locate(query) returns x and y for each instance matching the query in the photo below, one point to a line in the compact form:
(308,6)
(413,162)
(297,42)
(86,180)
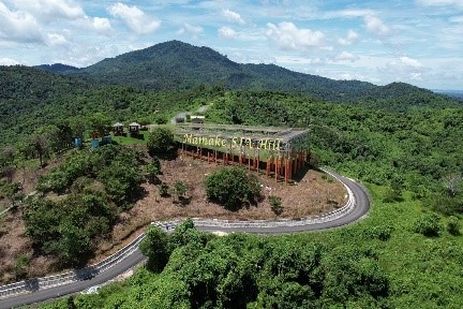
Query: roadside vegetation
(80,200)
(381,262)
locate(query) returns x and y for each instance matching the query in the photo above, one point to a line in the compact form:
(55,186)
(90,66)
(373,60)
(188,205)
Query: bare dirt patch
(312,195)
(14,244)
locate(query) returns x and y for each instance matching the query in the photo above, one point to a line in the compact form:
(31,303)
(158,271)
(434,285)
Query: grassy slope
(127,140)
(424,272)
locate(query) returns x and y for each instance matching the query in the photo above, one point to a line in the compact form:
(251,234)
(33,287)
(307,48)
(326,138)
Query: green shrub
(159,119)
(453,225)
(232,187)
(164,190)
(56,181)
(153,169)
(11,190)
(428,225)
(161,142)
(156,247)
(275,204)
(121,182)
(392,195)
(66,228)
(379,232)
(20,266)
(180,189)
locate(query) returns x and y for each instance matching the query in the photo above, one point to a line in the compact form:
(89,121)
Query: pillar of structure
(276,169)
(290,168)
(286,169)
(267,167)
(257,163)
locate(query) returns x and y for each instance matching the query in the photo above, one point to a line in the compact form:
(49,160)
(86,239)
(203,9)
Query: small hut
(197,119)
(179,119)
(118,128)
(134,129)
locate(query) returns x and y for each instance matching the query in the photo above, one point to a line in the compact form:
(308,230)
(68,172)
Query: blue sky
(417,41)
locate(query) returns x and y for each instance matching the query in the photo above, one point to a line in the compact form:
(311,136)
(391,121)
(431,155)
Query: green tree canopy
(232,187)
(161,142)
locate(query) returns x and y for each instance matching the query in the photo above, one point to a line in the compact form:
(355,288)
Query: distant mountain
(57,68)
(457,94)
(177,65)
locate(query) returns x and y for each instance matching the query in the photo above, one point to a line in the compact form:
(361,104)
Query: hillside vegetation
(378,263)
(93,187)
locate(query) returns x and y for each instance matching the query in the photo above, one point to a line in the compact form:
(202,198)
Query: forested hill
(31,84)
(57,68)
(177,65)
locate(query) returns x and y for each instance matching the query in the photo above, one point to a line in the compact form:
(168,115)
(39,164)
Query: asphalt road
(362,205)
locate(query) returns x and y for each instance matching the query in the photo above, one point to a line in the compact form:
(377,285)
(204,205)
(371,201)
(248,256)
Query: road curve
(360,207)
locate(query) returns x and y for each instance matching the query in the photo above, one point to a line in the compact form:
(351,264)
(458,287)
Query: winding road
(356,208)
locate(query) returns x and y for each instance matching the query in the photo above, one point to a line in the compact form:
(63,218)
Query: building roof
(134,124)
(118,124)
(289,137)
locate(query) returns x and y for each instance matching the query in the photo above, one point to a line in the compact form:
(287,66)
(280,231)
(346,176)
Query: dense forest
(404,143)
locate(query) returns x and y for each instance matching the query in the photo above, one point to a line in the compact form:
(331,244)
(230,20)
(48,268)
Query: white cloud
(190,29)
(19,26)
(233,16)
(8,61)
(375,25)
(345,57)
(370,19)
(134,18)
(353,13)
(288,36)
(97,25)
(403,68)
(55,39)
(410,62)
(291,60)
(101,25)
(350,38)
(458,3)
(227,33)
(50,10)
